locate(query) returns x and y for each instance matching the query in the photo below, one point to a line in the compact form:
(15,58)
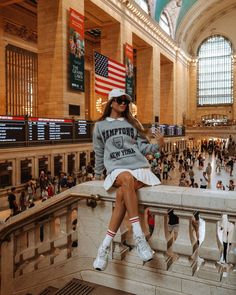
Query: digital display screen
(169,130)
(179,131)
(82,129)
(12,130)
(42,129)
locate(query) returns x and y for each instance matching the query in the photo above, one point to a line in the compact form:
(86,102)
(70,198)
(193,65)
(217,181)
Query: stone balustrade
(58,240)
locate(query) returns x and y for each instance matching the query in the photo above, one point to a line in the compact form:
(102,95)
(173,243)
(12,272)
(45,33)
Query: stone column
(110,42)
(76,161)
(2,70)
(52,161)
(210,251)
(185,246)
(49,159)
(35,171)
(144,88)
(192,114)
(18,171)
(13,172)
(65,163)
(54,94)
(160,241)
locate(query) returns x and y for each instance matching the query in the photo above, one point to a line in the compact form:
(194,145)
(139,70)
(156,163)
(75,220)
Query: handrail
(41,210)
(186,199)
(62,234)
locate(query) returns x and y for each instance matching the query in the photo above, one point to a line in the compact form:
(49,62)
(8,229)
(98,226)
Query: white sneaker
(143,249)
(100,263)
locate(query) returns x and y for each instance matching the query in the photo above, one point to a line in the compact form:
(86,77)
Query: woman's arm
(145,147)
(98,147)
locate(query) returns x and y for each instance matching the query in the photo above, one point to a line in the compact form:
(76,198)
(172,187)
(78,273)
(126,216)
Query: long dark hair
(129,117)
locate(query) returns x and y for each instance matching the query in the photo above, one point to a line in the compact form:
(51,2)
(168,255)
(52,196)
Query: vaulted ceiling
(197,19)
(206,18)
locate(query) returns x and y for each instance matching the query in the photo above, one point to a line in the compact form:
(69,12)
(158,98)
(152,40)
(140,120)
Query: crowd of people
(45,187)
(164,166)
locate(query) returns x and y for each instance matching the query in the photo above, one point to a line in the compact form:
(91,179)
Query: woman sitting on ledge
(120,145)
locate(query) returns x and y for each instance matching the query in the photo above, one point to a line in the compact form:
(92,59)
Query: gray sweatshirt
(117,145)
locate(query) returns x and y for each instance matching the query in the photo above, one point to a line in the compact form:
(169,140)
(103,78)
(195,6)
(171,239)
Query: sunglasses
(122,100)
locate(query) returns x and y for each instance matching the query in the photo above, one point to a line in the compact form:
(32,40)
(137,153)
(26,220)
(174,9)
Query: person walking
(204,180)
(120,145)
(208,172)
(227,236)
(12,202)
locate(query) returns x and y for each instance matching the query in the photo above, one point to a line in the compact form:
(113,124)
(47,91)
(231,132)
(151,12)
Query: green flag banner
(129,67)
(76,56)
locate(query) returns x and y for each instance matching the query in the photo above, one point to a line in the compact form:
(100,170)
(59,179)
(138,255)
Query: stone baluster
(185,245)
(160,241)
(60,243)
(29,255)
(43,243)
(210,251)
(20,243)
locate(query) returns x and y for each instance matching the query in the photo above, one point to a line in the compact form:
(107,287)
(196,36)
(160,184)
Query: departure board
(12,130)
(82,129)
(179,131)
(44,130)
(170,130)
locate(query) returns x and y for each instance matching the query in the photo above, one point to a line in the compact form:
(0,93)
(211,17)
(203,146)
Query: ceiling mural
(176,9)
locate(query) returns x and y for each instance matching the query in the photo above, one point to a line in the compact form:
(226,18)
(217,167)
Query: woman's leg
(128,185)
(126,194)
(119,211)
(126,182)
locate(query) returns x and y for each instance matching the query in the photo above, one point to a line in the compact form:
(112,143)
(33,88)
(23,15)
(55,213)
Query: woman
(120,145)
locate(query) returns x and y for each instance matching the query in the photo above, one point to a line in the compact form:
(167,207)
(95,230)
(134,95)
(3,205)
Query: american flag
(109,74)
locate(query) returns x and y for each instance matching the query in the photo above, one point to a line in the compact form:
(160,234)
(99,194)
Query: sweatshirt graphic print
(117,145)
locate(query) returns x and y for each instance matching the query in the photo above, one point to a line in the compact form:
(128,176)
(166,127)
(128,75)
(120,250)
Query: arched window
(164,23)
(214,72)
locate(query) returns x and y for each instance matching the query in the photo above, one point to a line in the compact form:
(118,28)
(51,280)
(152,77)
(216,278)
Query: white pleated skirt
(144,175)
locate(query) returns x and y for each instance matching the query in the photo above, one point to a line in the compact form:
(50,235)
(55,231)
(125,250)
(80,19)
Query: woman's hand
(159,137)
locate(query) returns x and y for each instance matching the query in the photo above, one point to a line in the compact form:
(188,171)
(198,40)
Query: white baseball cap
(118,92)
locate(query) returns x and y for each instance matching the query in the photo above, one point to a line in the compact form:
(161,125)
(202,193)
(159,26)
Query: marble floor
(224,175)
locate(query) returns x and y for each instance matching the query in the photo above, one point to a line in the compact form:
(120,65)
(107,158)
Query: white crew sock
(137,230)
(108,238)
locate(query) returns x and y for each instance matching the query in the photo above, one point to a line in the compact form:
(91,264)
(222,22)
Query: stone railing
(58,240)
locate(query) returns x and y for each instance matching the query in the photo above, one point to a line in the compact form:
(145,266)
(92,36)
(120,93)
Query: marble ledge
(222,201)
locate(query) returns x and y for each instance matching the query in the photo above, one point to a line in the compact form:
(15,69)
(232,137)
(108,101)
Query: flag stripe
(100,92)
(121,70)
(108,82)
(109,74)
(114,73)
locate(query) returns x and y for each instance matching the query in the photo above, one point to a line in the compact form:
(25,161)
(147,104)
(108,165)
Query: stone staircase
(79,287)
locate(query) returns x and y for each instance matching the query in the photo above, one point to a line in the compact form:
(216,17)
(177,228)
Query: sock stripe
(111,233)
(134,219)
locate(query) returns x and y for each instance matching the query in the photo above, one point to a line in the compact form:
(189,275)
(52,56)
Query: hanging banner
(129,66)
(76,44)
